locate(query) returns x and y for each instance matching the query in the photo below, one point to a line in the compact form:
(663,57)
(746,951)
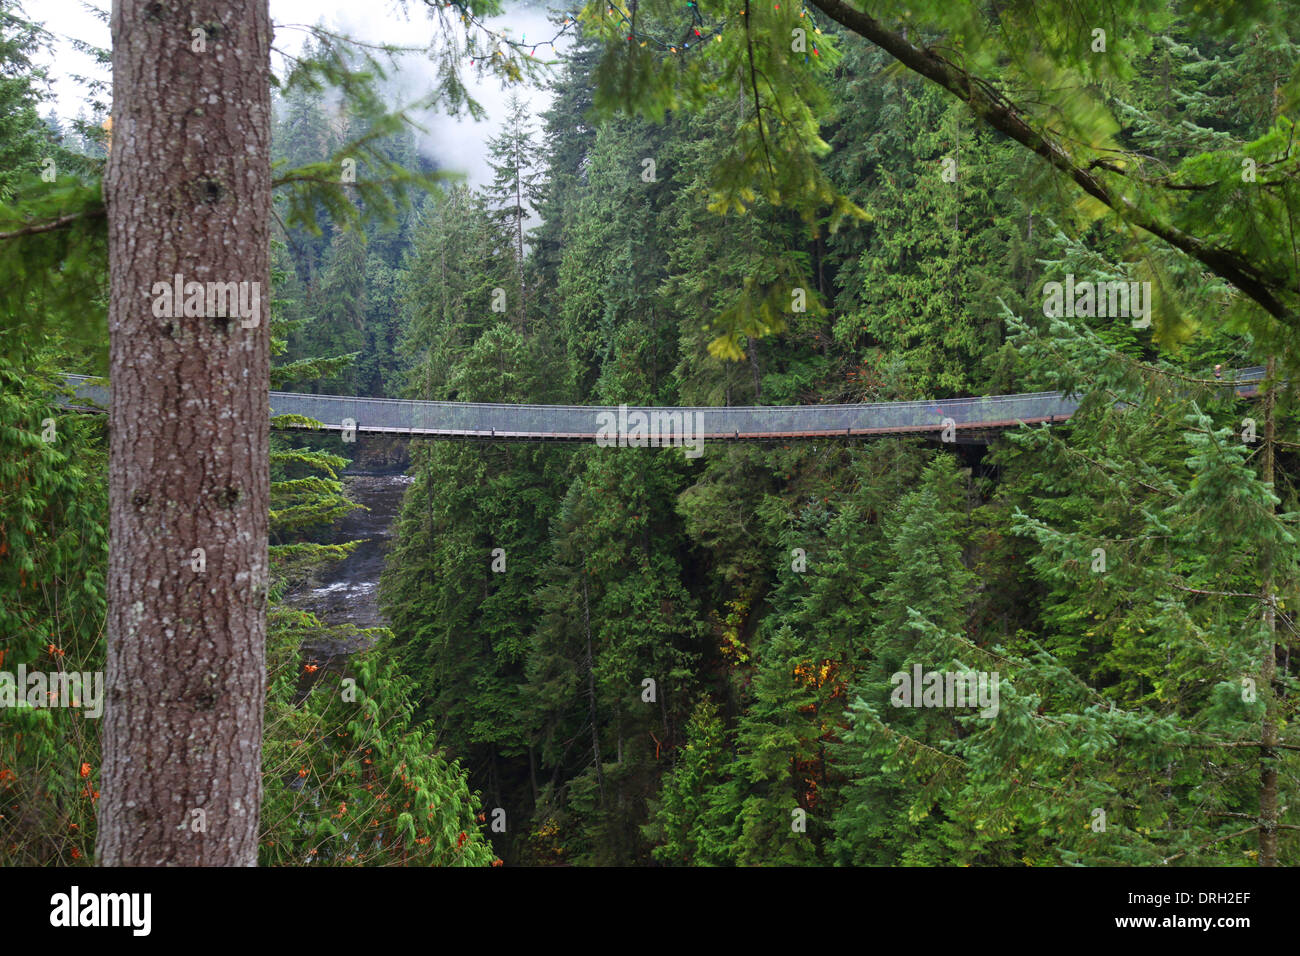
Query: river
(347,592)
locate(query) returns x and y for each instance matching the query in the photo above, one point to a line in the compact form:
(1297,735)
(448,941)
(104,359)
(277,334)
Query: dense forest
(620,656)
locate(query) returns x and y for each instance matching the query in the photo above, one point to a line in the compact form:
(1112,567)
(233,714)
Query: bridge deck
(971,418)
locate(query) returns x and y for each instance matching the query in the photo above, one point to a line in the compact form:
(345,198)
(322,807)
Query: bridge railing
(585,422)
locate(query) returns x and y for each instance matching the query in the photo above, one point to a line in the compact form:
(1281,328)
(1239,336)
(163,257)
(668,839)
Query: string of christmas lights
(500,39)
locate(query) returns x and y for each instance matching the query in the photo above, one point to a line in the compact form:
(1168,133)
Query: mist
(457,144)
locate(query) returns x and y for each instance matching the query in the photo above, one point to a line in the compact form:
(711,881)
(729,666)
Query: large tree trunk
(188,190)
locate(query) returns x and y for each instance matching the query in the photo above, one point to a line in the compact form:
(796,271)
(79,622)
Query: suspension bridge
(964,420)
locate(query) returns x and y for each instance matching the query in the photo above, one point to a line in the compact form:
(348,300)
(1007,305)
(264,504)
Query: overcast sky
(456,144)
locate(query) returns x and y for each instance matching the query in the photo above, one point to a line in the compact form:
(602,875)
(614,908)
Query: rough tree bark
(188,191)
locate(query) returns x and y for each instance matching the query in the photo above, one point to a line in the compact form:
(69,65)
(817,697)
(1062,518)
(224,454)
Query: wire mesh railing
(586,423)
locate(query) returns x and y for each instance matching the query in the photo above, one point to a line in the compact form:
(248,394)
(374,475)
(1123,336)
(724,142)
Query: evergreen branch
(297,177)
(1101,466)
(1206,846)
(904,740)
(1091,340)
(753,82)
(1165,182)
(1001,114)
(348,40)
(1170,373)
(468,18)
(1250,743)
(1254,597)
(1167,420)
(1250,816)
(50,225)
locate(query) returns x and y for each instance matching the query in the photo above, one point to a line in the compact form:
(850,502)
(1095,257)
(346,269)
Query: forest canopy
(1060,643)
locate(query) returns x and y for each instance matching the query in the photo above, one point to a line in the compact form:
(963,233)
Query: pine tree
(458,589)
(339,301)
(448,290)
(515,191)
(693,821)
(889,808)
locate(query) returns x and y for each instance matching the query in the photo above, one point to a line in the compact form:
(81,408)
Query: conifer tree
(515,191)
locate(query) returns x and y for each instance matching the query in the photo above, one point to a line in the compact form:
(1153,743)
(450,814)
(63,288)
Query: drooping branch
(998,112)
